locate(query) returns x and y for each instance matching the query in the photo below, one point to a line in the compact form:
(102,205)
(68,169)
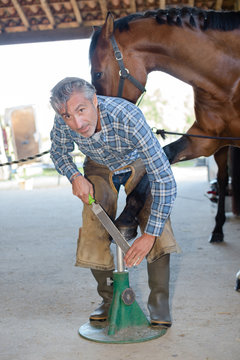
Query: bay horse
(201,48)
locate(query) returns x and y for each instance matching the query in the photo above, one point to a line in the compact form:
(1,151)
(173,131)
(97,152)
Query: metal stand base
(99,333)
(126,323)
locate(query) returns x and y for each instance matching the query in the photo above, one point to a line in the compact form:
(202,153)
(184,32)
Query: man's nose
(78,122)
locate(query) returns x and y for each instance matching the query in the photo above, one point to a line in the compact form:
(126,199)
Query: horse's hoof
(237,288)
(216,238)
(128,232)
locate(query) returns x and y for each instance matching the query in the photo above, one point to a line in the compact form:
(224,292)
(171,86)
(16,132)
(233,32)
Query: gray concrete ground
(45,298)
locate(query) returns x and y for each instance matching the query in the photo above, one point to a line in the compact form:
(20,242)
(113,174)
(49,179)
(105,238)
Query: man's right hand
(81,188)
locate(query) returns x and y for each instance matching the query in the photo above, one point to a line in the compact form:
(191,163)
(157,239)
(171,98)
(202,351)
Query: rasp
(109,225)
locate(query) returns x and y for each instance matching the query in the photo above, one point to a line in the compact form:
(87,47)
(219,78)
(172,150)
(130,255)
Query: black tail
(235,174)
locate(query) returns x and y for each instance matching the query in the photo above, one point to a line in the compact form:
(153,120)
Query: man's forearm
(64,165)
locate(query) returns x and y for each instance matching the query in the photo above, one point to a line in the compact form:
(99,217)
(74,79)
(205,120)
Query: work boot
(127,222)
(158,301)
(105,290)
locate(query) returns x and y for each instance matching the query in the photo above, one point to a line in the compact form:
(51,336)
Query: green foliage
(152,108)
(168,114)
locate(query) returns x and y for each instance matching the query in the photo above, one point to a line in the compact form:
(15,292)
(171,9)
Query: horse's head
(105,69)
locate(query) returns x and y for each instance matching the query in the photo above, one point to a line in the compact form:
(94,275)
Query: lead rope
(25,159)
(141,98)
(163,133)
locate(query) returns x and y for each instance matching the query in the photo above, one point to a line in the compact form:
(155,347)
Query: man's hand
(139,249)
(81,188)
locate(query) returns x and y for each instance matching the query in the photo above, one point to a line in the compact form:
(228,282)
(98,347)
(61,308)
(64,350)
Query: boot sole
(164,324)
(98,318)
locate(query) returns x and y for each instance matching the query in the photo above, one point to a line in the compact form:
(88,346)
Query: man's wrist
(150,236)
(75,176)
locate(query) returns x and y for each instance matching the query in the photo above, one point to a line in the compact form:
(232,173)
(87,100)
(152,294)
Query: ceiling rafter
(218,5)
(76,11)
(48,12)
(191,3)
(237,5)
(133,7)
(47,20)
(162,4)
(103,6)
(21,13)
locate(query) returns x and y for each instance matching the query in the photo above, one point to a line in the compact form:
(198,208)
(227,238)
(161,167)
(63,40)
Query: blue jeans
(120,179)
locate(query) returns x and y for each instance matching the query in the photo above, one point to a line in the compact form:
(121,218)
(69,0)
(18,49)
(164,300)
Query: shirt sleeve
(161,178)
(61,147)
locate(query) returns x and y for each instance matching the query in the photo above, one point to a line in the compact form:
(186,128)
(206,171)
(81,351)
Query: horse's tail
(235,174)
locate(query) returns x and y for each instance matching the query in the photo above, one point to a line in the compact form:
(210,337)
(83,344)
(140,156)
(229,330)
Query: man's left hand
(139,249)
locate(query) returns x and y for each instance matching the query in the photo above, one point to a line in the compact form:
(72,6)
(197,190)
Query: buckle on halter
(118,55)
(123,73)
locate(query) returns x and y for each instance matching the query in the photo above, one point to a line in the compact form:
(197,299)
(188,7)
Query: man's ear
(95,101)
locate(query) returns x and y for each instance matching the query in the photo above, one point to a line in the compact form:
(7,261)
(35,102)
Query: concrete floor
(45,298)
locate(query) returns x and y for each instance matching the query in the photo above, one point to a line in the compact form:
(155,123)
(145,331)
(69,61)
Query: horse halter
(123,72)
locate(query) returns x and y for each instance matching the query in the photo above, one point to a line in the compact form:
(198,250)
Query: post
(120,262)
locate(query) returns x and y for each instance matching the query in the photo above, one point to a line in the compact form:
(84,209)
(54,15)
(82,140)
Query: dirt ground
(45,298)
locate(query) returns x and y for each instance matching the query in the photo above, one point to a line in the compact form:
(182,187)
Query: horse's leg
(237,288)
(221,158)
(127,221)
(235,173)
(175,148)
(187,147)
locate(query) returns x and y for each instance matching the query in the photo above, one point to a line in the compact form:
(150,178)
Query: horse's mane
(208,19)
(204,19)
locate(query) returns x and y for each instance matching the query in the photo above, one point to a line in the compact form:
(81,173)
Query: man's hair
(61,92)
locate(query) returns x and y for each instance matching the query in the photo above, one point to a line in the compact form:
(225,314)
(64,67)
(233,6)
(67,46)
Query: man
(120,150)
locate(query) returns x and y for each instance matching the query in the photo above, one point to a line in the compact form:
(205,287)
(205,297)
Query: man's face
(80,114)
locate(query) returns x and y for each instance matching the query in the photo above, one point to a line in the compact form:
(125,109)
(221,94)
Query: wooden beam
(92,23)
(103,6)
(21,14)
(23,37)
(219,5)
(76,11)
(191,3)
(48,12)
(133,8)
(162,4)
(237,5)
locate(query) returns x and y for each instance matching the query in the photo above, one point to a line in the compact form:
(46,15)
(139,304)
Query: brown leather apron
(93,248)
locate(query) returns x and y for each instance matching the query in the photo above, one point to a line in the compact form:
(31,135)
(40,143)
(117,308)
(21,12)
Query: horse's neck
(172,54)
(189,55)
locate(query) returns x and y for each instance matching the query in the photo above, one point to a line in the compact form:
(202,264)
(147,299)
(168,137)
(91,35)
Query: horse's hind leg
(235,174)
(237,288)
(221,158)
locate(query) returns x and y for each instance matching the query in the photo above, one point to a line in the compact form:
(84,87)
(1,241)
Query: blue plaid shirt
(124,137)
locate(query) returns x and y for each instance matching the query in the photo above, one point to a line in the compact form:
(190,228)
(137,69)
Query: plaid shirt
(124,137)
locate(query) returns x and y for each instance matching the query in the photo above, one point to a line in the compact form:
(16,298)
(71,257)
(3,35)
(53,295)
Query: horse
(199,47)
(227,159)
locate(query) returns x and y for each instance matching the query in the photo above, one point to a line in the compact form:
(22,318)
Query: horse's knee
(174,150)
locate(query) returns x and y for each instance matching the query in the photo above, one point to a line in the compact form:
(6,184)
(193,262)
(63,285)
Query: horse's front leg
(187,148)
(221,158)
(127,221)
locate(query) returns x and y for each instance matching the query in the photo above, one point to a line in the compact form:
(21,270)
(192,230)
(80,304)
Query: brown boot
(105,290)
(158,301)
